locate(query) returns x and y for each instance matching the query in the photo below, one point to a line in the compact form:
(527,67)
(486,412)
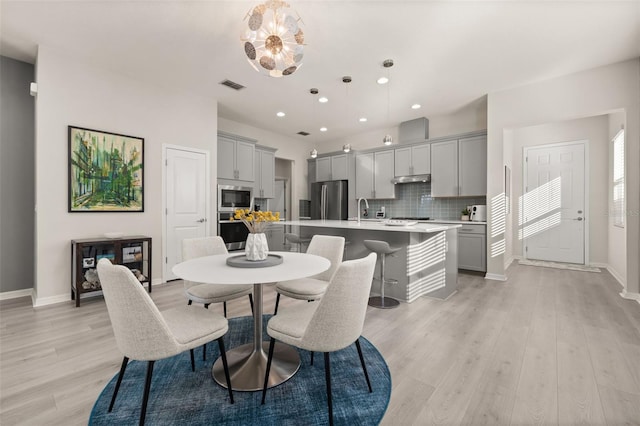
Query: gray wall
(17,171)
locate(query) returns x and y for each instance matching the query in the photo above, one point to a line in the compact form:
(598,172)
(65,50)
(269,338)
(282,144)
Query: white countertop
(462,222)
(372,225)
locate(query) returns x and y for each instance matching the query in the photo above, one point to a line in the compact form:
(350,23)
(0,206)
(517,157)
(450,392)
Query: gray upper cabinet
(323,169)
(374,172)
(444,169)
(459,167)
(339,167)
(334,167)
(413,160)
(472,166)
(265,172)
(235,158)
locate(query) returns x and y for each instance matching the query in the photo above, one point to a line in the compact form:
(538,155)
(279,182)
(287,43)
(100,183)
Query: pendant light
(388,63)
(346,80)
(314,91)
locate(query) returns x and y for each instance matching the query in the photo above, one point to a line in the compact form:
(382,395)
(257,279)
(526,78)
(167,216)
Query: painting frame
(105,172)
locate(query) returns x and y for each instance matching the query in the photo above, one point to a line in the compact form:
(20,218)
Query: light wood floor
(548,346)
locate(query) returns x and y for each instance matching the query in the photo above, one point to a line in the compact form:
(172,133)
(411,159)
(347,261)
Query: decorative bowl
(113,234)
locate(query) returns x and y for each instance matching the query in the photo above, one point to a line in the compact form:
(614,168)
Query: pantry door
(186,198)
(553,212)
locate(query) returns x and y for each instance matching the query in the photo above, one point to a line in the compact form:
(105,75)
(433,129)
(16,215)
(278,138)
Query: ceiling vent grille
(303,133)
(232,85)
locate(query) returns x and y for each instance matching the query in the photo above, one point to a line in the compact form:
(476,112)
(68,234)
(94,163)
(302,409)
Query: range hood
(413,131)
(411,179)
(416,130)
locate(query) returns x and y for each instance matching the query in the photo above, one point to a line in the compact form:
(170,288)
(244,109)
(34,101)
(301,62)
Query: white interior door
(552,221)
(187,201)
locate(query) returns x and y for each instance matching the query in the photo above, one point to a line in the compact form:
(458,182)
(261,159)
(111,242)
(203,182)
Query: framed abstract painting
(106,171)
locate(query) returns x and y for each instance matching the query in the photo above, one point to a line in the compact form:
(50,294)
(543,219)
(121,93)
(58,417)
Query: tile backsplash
(414,200)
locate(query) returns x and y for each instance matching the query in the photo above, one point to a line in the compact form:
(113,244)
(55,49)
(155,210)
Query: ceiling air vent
(303,133)
(232,84)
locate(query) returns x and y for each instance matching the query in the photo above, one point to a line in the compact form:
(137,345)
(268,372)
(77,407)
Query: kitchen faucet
(366,203)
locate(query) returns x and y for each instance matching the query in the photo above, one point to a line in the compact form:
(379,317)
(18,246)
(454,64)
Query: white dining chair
(144,333)
(211,293)
(312,288)
(330,324)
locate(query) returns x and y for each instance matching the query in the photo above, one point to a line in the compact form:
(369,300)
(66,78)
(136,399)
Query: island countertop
(426,262)
(419,227)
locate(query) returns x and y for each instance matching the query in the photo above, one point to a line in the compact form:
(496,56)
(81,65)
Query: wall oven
(230,198)
(234,233)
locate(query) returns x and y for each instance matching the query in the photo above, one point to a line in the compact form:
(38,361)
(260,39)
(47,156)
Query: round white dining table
(247,363)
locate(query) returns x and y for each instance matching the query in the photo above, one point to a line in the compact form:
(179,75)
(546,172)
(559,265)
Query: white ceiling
(447,54)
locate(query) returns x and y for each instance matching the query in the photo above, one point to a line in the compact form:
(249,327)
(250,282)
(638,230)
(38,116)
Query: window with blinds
(618,180)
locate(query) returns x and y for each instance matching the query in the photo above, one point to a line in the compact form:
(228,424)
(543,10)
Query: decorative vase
(256,247)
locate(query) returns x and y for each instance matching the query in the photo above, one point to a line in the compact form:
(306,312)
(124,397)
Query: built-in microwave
(231,198)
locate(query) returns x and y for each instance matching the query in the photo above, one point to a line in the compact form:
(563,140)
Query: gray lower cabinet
(275,237)
(472,248)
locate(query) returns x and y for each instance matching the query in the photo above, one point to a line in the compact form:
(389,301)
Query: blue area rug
(180,396)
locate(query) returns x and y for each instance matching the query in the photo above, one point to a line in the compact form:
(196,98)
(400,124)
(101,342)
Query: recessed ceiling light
(416,106)
(363,119)
(323,100)
(280,114)
(383,80)
(323,129)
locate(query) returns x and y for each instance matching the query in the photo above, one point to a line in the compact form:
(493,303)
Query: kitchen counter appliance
(231,198)
(478,213)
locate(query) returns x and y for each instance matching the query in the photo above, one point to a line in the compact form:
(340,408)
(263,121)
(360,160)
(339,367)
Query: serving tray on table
(241,261)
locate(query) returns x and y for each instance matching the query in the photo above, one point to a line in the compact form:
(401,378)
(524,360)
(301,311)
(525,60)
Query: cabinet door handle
(201,220)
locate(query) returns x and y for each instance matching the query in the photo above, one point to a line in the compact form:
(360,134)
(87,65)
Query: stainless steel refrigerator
(329,200)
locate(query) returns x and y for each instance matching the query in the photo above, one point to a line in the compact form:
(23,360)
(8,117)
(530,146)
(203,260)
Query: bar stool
(296,239)
(383,249)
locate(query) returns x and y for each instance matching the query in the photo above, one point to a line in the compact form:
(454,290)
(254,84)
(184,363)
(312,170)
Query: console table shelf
(134,252)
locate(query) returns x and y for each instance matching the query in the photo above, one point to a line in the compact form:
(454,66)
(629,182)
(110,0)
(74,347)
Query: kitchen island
(427,263)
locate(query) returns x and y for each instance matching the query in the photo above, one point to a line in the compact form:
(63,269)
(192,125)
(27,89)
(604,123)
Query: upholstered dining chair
(211,293)
(296,239)
(330,324)
(143,333)
(312,288)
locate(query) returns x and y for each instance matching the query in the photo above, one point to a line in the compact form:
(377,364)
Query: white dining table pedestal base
(248,363)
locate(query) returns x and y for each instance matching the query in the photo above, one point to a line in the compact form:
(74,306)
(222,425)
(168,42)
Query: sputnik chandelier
(274,41)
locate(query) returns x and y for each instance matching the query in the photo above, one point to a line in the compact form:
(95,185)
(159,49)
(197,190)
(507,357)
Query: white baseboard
(43,301)
(508,262)
(495,277)
(16,293)
(616,275)
(631,296)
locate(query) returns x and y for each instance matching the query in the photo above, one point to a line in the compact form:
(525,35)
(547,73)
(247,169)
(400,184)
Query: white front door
(187,201)
(552,209)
